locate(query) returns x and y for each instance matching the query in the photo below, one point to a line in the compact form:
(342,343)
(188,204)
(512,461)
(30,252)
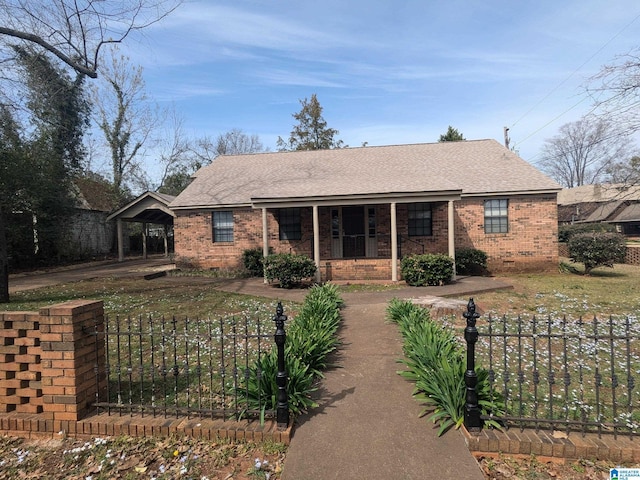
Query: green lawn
(180,296)
(605,292)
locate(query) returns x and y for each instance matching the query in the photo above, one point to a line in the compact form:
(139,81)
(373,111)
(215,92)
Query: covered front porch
(361,238)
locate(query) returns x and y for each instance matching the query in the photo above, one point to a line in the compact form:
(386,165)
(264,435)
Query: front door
(353,232)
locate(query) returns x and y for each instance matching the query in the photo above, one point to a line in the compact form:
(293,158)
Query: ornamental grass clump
(311,337)
(436,362)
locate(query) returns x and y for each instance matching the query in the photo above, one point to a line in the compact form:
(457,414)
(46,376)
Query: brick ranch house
(357,211)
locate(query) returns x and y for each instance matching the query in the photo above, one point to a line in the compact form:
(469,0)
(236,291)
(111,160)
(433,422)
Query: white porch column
(120,240)
(144,241)
(166,240)
(265,237)
(452,235)
(316,242)
(394,244)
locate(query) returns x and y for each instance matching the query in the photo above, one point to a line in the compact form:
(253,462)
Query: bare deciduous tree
(236,142)
(75,31)
(125,116)
(616,91)
(174,149)
(583,152)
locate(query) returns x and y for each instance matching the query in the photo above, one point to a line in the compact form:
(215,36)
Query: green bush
(427,269)
(311,337)
(470,261)
(252,259)
(436,362)
(288,269)
(597,249)
(565,232)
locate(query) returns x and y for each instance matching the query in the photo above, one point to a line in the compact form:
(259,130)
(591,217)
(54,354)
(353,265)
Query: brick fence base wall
(547,444)
(52,365)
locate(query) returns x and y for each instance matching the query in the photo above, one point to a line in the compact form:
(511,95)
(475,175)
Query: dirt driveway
(128,268)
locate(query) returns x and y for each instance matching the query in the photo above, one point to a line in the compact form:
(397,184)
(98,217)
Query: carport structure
(148,208)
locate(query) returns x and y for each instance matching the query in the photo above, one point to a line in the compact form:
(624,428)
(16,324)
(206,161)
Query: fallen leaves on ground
(501,467)
(139,458)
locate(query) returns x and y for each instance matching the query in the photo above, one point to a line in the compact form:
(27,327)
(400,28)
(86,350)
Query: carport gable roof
(150,207)
(445,170)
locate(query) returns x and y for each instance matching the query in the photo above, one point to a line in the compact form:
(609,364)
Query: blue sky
(386,72)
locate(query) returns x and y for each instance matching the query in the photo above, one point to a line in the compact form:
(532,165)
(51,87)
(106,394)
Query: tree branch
(50,48)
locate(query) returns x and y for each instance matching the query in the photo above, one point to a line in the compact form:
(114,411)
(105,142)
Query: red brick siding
(194,246)
(530,244)
(358,268)
(437,242)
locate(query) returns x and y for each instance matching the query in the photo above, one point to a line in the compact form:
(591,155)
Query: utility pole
(507,140)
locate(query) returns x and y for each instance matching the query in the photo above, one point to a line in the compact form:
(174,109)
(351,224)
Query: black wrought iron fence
(558,373)
(182,366)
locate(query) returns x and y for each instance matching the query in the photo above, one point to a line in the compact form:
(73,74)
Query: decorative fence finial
(472,420)
(282,411)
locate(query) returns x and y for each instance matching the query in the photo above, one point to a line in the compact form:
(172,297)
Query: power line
(565,80)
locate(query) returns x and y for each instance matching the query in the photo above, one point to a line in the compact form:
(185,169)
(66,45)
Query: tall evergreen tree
(311,132)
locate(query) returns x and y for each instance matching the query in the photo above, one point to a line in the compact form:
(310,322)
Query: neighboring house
(616,204)
(90,232)
(357,211)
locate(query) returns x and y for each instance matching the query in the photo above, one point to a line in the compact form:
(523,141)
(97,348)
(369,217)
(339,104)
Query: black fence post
(282,412)
(472,420)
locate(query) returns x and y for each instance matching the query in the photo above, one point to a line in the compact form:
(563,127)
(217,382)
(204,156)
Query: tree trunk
(4,262)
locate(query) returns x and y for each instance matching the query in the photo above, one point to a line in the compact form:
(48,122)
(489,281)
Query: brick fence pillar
(20,387)
(73,358)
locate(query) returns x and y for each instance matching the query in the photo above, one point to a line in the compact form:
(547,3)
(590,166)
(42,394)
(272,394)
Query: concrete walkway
(367,425)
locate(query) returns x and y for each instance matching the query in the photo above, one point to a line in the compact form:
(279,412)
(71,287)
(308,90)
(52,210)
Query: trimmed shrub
(436,362)
(288,269)
(427,269)
(470,261)
(565,232)
(311,337)
(252,259)
(597,249)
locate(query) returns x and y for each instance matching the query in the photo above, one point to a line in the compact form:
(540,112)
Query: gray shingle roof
(472,167)
(598,193)
(629,214)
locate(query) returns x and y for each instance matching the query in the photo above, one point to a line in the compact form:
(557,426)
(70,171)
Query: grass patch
(557,370)
(181,296)
(605,292)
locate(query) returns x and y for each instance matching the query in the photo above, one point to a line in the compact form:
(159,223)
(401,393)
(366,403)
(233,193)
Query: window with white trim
(496,218)
(222,223)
